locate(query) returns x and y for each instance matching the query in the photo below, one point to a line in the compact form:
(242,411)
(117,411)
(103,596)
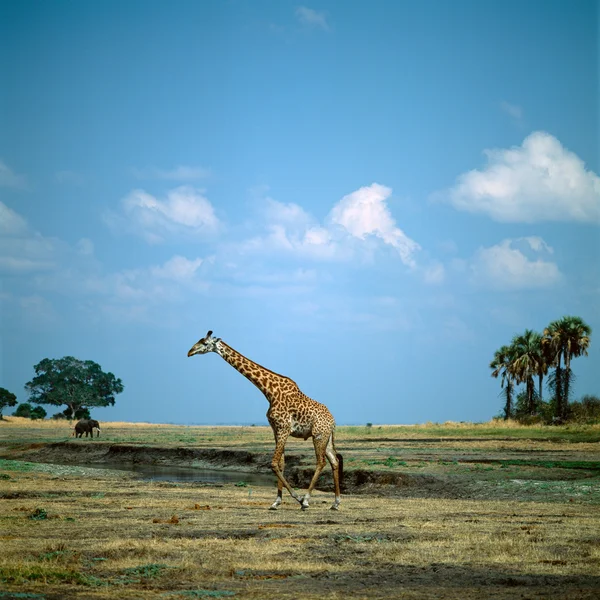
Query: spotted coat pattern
(291,413)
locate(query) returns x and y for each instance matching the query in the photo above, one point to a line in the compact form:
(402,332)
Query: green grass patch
(43,573)
(57,556)
(141,573)
(21,595)
(588,465)
(39,514)
(566,433)
(357,539)
(147,571)
(390,461)
(201,593)
(16,465)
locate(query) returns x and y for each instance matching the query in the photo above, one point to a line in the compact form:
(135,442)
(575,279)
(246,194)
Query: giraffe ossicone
(291,413)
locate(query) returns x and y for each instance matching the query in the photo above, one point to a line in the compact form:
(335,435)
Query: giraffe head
(206,344)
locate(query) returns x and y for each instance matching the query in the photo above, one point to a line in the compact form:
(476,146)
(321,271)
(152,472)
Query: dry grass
(104,536)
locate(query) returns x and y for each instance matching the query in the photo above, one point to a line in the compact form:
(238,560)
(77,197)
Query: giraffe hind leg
(320,452)
(336,461)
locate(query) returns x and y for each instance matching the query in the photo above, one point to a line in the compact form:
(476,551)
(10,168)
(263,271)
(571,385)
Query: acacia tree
(6,399)
(76,383)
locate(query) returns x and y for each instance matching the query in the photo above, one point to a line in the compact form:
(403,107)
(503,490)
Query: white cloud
(351,229)
(185,211)
(434,274)
(374,313)
(8,178)
(515,264)
(152,294)
(448,246)
(179,173)
(290,215)
(38,309)
(537,181)
(22,250)
(312,18)
(317,236)
(457,330)
(516,112)
(31,264)
(177,268)
(85,246)
(15,265)
(314,242)
(274,277)
(537,244)
(152,286)
(365,212)
(11,223)
(39,265)
(291,230)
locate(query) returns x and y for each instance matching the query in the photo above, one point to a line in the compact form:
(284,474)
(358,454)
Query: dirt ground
(420,518)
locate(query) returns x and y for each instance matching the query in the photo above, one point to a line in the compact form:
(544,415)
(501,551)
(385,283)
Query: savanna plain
(451,510)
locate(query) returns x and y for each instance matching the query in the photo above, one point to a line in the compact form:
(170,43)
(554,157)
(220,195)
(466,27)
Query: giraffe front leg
(279,498)
(279,449)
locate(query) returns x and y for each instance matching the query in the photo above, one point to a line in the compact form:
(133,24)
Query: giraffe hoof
(304,507)
(335,507)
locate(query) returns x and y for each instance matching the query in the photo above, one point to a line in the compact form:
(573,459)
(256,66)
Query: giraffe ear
(208,335)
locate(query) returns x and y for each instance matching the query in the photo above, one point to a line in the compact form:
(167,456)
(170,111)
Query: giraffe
(291,413)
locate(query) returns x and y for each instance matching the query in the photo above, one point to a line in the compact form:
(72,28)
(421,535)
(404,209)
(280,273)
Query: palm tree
(501,366)
(565,339)
(543,362)
(527,363)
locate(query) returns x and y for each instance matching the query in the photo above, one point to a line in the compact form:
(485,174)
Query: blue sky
(370,198)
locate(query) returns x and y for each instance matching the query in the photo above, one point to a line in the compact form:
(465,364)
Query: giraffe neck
(262,378)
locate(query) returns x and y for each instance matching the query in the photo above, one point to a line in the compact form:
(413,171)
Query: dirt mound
(361,481)
(355,481)
(104,453)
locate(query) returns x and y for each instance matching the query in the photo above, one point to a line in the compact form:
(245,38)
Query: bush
(23,410)
(29,412)
(543,410)
(586,410)
(38,413)
(80,413)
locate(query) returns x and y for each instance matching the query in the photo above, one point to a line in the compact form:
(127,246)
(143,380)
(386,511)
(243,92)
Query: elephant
(86,426)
